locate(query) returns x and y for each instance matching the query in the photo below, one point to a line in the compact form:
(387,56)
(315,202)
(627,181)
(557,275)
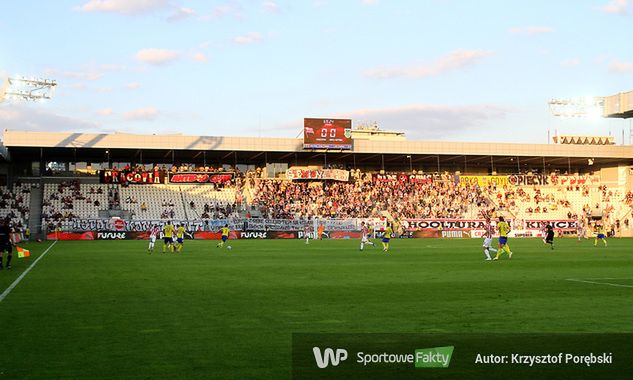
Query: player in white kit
(580,230)
(307,230)
(153,234)
(364,236)
(489,231)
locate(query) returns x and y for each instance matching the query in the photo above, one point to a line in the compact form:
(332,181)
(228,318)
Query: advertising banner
(201,177)
(483,180)
(87,235)
(333,235)
(442,224)
(552,180)
(426,234)
(557,224)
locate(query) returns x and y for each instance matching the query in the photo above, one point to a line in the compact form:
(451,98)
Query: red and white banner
(200,177)
(320,174)
(131,177)
(403,177)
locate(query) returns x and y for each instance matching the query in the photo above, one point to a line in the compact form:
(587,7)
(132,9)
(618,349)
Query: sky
(453,70)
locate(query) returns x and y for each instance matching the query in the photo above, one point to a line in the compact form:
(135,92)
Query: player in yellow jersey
(168,237)
(600,235)
(225,235)
(386,238)
(504,230)
(180,237)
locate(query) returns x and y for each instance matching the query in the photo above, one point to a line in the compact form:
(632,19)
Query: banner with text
(131,177)
(319,174)
(483,180)
(552,180)
(403,177)
(200,177)
(245,224)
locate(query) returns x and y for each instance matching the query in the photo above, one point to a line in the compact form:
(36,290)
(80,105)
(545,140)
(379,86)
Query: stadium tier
(267,181)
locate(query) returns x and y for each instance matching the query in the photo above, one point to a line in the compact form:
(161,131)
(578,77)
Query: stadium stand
(364,198)
(208,202)
(71,186)
(15,203)
(152,202)
(70,199)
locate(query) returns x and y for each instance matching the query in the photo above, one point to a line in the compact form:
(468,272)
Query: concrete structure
(27,147)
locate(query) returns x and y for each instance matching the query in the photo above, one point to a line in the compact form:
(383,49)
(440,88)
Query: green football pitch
(110,310)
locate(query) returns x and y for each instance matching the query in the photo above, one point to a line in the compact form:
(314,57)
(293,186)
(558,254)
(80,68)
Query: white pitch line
(599,283)
(17,280)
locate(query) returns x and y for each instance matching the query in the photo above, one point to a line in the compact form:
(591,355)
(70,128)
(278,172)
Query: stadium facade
(45,162)
(35,149)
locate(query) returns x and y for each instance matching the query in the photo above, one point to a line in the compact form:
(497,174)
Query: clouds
(162,57)
(126,7)
(200,57)
(104,111)
(571,62)
(180,14)
(141,114)
(229,8)
(270,6)
(248,38)
(429,120)
(531,30)
(133,85)
(455,60)
(620,67)
(157,57)
(85,73)
(618,7)
(36,118)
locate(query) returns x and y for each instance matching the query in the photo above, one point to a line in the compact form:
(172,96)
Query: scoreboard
(327,133)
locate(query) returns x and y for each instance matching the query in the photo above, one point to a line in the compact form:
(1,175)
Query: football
(229,247)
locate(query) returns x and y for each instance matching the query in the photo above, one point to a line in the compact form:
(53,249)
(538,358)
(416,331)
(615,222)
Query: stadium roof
(92,147)
(262,144)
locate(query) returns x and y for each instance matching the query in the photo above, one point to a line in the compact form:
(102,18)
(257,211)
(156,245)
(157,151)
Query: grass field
(109,310)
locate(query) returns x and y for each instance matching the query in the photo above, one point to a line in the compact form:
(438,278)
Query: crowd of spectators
(216,210)
(14,204)
(176,168)
(368,196)
(363,196)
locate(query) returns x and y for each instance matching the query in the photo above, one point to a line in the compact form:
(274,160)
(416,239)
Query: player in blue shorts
(386,238)
(168,237)
(600,235)
(225,235)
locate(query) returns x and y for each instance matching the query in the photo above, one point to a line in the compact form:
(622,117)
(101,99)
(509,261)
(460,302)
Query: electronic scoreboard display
(327,133)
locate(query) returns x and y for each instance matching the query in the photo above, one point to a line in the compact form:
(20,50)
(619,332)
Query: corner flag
(22,253)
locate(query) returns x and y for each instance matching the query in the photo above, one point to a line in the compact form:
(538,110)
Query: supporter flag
(22,253)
